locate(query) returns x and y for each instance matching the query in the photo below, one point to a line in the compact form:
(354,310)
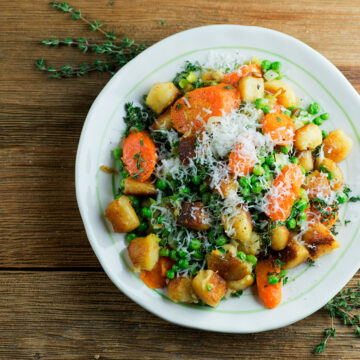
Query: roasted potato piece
(209,287)
(251,88)
(253,246)
(308,137)
(337,145)
(162,95)
(135,187)
(122,215)
(287,96)
(163,122)
(319,241)
(186,148)
(293,254)
(144,252)
(279,238)
(306,160)
(336,176)
(194,216)
(238,225)
(317,185)
(230,248)
(180,290)
(227,187)
(242,284)
(227,266)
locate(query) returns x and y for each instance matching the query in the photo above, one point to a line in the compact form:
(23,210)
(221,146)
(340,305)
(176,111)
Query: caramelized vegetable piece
(180,290)
(209,287)
(317,185)
(335,176)
(139,155)
(135,187)
(279,238)
(268,293)
(187,148)
(162,95)
(337,145)
(156,278)
(251,88)
(241,284)
(122,215)
(308,137)
(319,241)
(194,216)
(283,193)
(234,77)
(144,252)
(280,127)
(285,94)
(191,112)
(163,122)
(227,266)
(238,225)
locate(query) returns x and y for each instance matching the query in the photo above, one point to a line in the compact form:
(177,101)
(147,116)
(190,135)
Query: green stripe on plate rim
(124,98)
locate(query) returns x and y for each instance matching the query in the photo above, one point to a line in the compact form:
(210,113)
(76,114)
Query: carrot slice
(139,155)
(283,193)
(156,278)
(233,77)
(269,294)
(276,107)
(191,112)
(280,127)
(241,159)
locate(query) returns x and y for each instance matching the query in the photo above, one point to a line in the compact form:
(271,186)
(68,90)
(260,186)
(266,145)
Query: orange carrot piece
(269,294)
(156,278)
(233,77)
(276,106)
(241,159)
(314,215)
(191,112)
(283,193)
(139,155)
(280,127)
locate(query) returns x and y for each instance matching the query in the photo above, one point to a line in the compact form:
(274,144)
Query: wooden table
(55,300)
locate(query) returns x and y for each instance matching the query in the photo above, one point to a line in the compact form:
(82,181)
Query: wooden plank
(77,315)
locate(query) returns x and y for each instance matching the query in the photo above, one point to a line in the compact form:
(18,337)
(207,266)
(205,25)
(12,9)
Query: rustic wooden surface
(55,301)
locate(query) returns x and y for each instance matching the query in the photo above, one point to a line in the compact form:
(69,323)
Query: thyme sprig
(117,53)
(343,306)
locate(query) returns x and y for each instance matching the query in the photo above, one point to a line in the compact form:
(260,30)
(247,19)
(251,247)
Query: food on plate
(224,178)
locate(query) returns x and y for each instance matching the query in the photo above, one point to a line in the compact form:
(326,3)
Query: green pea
(203,187)
(117,153)
(254,180)
(170,274)
(301,205)
(221,240)
(183,264)
(266,65)
(244,181)
(284,149)
(291,224)
(164,252)
(317,121)
(174,255)
(184,190)
(196,179)
(294,160)
(245,191)
(324,134)
(161,184)
(135,202)
(195,244)
(175,268)
(314,108)
(146,212)
(273,279)
(258,170)
(302,216)
(211,234)
(182,253)
(241,255)
(342,198)
(270,160)
(282,273)
(266,109)
(259,103)
(325,116)
(130,237)
(276,66)
(162,242)
(251,259)
(142,227)
(257,188)
(197,255)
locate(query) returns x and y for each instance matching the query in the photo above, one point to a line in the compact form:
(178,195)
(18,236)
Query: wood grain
(55,301)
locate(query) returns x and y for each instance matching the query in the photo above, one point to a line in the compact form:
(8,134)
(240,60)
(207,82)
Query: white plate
(313,77)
